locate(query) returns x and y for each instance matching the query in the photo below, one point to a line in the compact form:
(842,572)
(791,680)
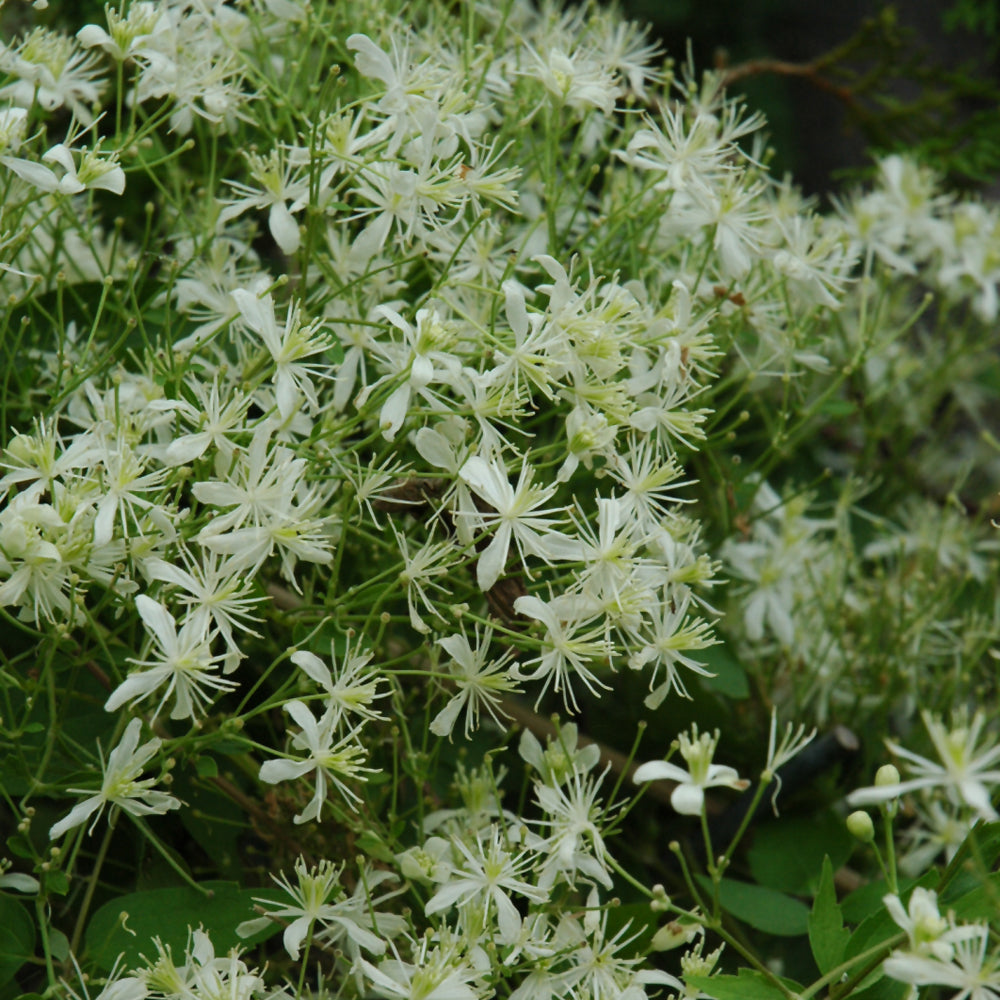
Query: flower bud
(886,775)
(860,825)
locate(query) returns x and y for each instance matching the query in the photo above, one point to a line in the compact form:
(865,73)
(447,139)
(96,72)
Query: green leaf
(127,925)
(374,846)
(217,823)
(17,937)
(788,856)
(730,678)
(206,766)
(884,989)
(760,907)
(981,846)
(827,935)
(748,985)
(58,944)
(56,881)
(19,846)
(981,901)
(838,408)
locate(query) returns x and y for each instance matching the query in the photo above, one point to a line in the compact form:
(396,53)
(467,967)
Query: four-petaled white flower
(488,874)
(334,760)
(966,772)
(316,896)
(688,798)
(184,661)
(121,785)
(518,513)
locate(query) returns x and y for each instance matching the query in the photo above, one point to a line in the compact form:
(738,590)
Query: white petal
(273,771)
(688,800)
(433,447)
(284,228)
(508,919)
(136,685)
(314,667)
(659,770)
(77,815)
(492,561)
(444,721)
(157,620)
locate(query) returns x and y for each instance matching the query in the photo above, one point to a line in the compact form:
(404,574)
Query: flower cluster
(377,377)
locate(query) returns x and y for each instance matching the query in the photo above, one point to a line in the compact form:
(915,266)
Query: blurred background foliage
(840,81)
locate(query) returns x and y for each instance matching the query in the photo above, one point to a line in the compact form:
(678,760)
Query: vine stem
(93,879)
(779,67)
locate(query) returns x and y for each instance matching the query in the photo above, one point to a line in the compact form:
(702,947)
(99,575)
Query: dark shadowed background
(815,135)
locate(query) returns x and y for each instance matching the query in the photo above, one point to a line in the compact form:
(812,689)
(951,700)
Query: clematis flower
(688,798)
(121,785)
(334,760)
(518,514)
(966,771)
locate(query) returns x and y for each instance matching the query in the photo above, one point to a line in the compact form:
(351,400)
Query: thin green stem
(92,881)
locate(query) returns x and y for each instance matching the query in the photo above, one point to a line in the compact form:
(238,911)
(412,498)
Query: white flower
(568,648)
(577,80)
(518,513)
(688,798)
(51,70)
(438,973)
(349,689)
(121,785)
(123,481)
(282,189)
(965,773)
(481,683)
(316,898)
(94,171)
(183,661)
(672,633)
(969,970)
(334,760)
(289,344)
(562,756)
(202,975)
(792,743)
(125,33)
(575,842)
(217,593)
(930,935)
(487,876)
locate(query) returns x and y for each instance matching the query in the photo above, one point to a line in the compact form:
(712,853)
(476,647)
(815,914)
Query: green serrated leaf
(760,907)
(827,935)
(17,937)
(748,985)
